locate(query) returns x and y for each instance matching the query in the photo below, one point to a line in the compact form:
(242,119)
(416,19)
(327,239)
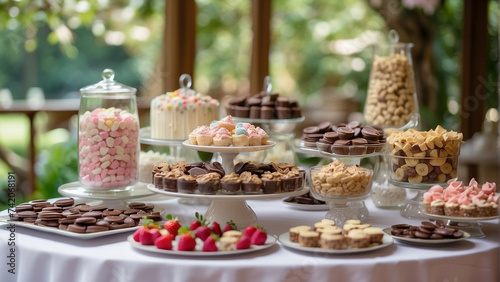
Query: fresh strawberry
(198,222)
(216,228)
(186,242)
(244,243)
(209,244)
(164,242)
(202,232)
(138,234)
(259,237)
(149,236)
(229,226)
(172,225)
(194,225)
(249,230)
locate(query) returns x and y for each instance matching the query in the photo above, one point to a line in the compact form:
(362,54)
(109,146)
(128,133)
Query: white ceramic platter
(425,242)
(271,240)
(228,149)
(285,240)
(306,207)
(459,218)
(55,230)
(239,196)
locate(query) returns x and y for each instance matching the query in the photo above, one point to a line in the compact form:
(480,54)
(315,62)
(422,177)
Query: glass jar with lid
(108,135)
(391,100)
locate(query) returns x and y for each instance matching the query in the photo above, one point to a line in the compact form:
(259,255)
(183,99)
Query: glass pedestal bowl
(343,191)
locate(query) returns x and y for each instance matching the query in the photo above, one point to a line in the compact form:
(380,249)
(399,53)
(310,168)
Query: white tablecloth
(49,257)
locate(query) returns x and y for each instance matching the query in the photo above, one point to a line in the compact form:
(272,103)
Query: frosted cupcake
(255,139)
(204,136)
(271,182)
(192,136)
(467,208)
(451,207)
(230,183)
(228,123)
(214,126)
(357,239)
(222,137)
(187,184)
(209,183)
(240,137)
(331,241)
(263,135)
(250,183)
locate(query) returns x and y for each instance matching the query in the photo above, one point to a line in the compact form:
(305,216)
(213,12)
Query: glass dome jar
(391,100)
(108,136)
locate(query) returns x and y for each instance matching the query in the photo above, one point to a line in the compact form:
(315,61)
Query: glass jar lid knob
(185,81)
(268,86)
(393,36)
(108,74)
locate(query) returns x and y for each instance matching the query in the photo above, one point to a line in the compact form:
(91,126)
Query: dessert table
(44,256)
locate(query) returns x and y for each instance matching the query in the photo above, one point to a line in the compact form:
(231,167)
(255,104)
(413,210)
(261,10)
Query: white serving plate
(285,240)
(55,230)
(306,207)
(229,149)
(425,242)
(271,240)
(459,218)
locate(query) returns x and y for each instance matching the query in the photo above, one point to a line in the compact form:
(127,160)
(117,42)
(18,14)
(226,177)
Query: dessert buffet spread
(226,132)
(210,178)
(175,114)
(200,236)
(83,218)
(264,106)
(424,156)
(459,200)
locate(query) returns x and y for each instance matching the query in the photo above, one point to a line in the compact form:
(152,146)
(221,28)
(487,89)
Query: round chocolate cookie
(64,202)
(311,130)
(77,228)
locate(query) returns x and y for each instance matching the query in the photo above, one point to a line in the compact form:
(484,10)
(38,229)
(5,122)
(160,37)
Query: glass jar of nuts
(391,98)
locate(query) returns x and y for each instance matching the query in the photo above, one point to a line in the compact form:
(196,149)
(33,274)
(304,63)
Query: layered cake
(175,114)
(459,200)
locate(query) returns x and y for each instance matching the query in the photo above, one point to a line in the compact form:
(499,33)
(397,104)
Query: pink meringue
(489,188)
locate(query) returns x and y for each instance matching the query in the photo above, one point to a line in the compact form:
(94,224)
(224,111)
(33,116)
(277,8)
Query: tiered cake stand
(224,208)
(470,225)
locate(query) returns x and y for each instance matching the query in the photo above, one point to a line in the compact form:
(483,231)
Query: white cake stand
(228,153)
(224,208)
(115,199)
(177,151)
(469,224)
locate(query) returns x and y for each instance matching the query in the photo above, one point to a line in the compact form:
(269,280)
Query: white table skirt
(49,257)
